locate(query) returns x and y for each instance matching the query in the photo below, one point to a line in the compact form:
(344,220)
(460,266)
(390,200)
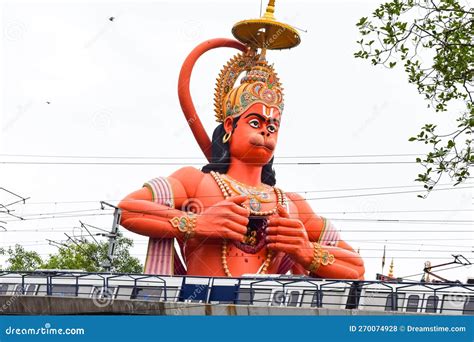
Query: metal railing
(287,291)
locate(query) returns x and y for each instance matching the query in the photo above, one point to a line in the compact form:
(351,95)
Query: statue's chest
(262,200)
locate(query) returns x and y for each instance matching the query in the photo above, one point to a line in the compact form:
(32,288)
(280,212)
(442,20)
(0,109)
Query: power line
(410,231)
(363,241)
(443,269)
(400,220)
(63,212)
(372,188)
(395,211)
(390,242)
(454,250)
(319,212)
(42,243)
(304,199)
(201,158)
(197,164)
(390,221)
(5,207)
(384,193)
(60,217)
(59,214)
(415,256)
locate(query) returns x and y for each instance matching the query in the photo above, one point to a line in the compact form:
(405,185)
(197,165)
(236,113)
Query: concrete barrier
(50,305)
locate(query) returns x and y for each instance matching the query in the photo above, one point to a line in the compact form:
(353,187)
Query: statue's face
(255,137)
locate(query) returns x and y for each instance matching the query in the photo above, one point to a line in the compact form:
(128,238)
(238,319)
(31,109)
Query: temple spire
(390,270)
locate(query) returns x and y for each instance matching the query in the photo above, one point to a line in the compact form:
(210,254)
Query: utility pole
(459,259)
(4,208)
(112,235)
(426,274)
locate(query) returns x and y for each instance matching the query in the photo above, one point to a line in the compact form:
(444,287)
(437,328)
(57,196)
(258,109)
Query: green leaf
(362,21)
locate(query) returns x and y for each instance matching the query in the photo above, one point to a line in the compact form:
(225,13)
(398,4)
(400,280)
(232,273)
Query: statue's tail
(184,93)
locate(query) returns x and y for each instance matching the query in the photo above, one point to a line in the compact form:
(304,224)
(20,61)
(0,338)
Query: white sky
(112,92)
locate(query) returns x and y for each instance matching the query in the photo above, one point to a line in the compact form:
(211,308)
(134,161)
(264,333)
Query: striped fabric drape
(329,235)
(162,257)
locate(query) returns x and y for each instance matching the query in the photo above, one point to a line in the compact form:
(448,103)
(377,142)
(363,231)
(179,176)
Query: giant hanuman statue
(229,218)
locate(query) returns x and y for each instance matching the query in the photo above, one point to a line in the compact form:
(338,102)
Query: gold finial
(266,32)
(269,13)
(390,270)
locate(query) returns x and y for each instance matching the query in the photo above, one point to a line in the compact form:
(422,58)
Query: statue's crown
(260,84)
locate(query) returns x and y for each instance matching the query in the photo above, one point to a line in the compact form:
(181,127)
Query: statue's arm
(308,228)
(142,215)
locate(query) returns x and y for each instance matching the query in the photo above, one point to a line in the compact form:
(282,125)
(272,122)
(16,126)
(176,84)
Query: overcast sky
(75,83)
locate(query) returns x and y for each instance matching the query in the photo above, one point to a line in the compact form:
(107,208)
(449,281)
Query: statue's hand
(225,219)
(289,236)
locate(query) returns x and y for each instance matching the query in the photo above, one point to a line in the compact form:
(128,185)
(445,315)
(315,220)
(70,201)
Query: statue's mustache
(259,140)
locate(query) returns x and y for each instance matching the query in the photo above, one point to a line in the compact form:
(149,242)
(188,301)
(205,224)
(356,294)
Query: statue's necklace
(255,195)
(226,191)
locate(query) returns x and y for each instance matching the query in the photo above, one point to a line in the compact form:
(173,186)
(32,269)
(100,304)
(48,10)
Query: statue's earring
(226,137)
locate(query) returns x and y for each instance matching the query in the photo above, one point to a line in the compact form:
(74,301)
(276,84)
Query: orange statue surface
(230,218)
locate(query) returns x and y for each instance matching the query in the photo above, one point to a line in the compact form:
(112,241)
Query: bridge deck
(50,305)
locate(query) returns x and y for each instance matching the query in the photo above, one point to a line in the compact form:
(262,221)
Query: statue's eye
(254,123)
(272,128)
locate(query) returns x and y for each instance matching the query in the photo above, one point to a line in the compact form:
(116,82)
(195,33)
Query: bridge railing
(288,291)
